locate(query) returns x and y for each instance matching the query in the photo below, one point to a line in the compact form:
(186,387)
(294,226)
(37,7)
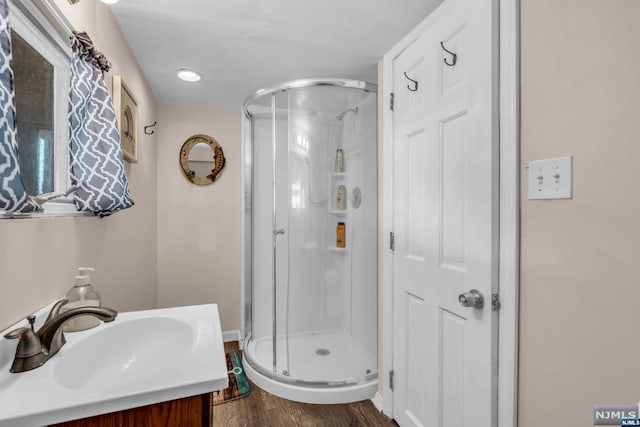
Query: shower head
(340,116)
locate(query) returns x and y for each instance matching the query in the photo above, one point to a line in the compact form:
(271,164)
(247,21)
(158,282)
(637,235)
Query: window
(33,80)
(41,68)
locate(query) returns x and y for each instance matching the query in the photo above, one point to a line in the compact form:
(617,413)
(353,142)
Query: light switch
(551,179)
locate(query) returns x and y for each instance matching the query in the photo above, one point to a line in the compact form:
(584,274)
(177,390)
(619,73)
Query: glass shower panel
(262,315)
(357,128)
(281,230)
(309,199)
(310,196)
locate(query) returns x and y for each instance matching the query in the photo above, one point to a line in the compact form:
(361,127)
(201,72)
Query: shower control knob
(473,299)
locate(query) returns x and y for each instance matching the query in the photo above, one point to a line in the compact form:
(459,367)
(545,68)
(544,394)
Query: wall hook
(415,83)
(150,126)
(454,58)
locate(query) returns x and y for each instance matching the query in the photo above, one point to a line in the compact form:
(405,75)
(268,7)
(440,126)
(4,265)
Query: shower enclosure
(310,302)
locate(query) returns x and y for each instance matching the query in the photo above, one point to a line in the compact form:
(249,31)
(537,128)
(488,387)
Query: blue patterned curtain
(97,165)
(13,197)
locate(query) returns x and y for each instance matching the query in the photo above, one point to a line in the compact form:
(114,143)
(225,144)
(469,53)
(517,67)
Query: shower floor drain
(323,352)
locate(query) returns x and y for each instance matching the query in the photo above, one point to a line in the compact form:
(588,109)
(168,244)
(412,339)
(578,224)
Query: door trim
(509,72)
(509,258)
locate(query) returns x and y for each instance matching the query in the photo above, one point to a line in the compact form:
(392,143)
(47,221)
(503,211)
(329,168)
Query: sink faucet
(35,348)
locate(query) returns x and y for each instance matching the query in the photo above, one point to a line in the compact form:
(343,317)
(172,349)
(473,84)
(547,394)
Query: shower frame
(247,289)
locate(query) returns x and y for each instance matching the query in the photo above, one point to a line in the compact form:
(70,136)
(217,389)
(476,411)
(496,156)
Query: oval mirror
(202,159)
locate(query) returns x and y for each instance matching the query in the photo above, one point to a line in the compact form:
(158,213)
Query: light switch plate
(551,179)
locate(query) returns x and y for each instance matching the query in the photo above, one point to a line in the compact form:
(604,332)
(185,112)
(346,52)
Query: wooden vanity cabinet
(191,411)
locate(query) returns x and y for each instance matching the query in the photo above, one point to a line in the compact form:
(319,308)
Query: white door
(446,220)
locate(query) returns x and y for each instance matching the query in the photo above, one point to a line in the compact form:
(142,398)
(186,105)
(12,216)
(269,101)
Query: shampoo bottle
(341,198)
(339,165)
(83,294)
(341,235)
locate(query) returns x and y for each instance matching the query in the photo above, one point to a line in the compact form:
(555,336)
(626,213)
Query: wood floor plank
(262,409)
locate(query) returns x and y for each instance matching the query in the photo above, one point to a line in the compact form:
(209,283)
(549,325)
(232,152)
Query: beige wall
(580,284)
(199,227)
(39,257)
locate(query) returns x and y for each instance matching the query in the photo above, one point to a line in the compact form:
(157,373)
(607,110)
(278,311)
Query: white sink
(127,354)
(141,358)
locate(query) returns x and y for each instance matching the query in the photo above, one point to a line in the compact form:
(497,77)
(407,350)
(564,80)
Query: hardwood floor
(261,409)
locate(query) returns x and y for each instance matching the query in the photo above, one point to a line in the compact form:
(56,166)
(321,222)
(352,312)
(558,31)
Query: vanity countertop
(141,358)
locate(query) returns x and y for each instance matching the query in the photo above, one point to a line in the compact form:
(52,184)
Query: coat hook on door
(415,83)
(454,58)
(150,126)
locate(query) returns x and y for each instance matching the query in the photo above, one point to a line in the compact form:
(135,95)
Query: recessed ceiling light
(188,75)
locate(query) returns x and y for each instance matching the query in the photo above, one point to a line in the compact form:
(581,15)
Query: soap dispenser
(83,294)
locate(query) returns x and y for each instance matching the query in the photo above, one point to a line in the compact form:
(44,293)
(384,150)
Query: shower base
(318,362)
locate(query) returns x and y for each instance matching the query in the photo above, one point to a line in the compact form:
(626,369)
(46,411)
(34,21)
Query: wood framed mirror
(202,159)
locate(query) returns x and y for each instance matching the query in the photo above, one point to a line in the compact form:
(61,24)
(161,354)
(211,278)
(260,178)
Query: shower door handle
(278,231)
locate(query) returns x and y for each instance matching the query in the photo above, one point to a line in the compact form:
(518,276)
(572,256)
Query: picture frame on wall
(126,109)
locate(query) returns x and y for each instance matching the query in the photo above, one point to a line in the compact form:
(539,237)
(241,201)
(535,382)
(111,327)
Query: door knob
(473,298)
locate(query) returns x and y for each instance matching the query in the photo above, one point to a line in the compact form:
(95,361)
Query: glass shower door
(308,200)
(281,231)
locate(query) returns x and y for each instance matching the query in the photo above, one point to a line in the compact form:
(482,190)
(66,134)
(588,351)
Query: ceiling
(240,46)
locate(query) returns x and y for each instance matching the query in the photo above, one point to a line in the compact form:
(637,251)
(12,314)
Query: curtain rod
(61,23)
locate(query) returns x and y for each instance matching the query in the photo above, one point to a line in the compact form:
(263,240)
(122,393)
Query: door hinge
(392,241)
(391,100)
(495,302)
(391,374)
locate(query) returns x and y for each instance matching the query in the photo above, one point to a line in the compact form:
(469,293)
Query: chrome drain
(323,352)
